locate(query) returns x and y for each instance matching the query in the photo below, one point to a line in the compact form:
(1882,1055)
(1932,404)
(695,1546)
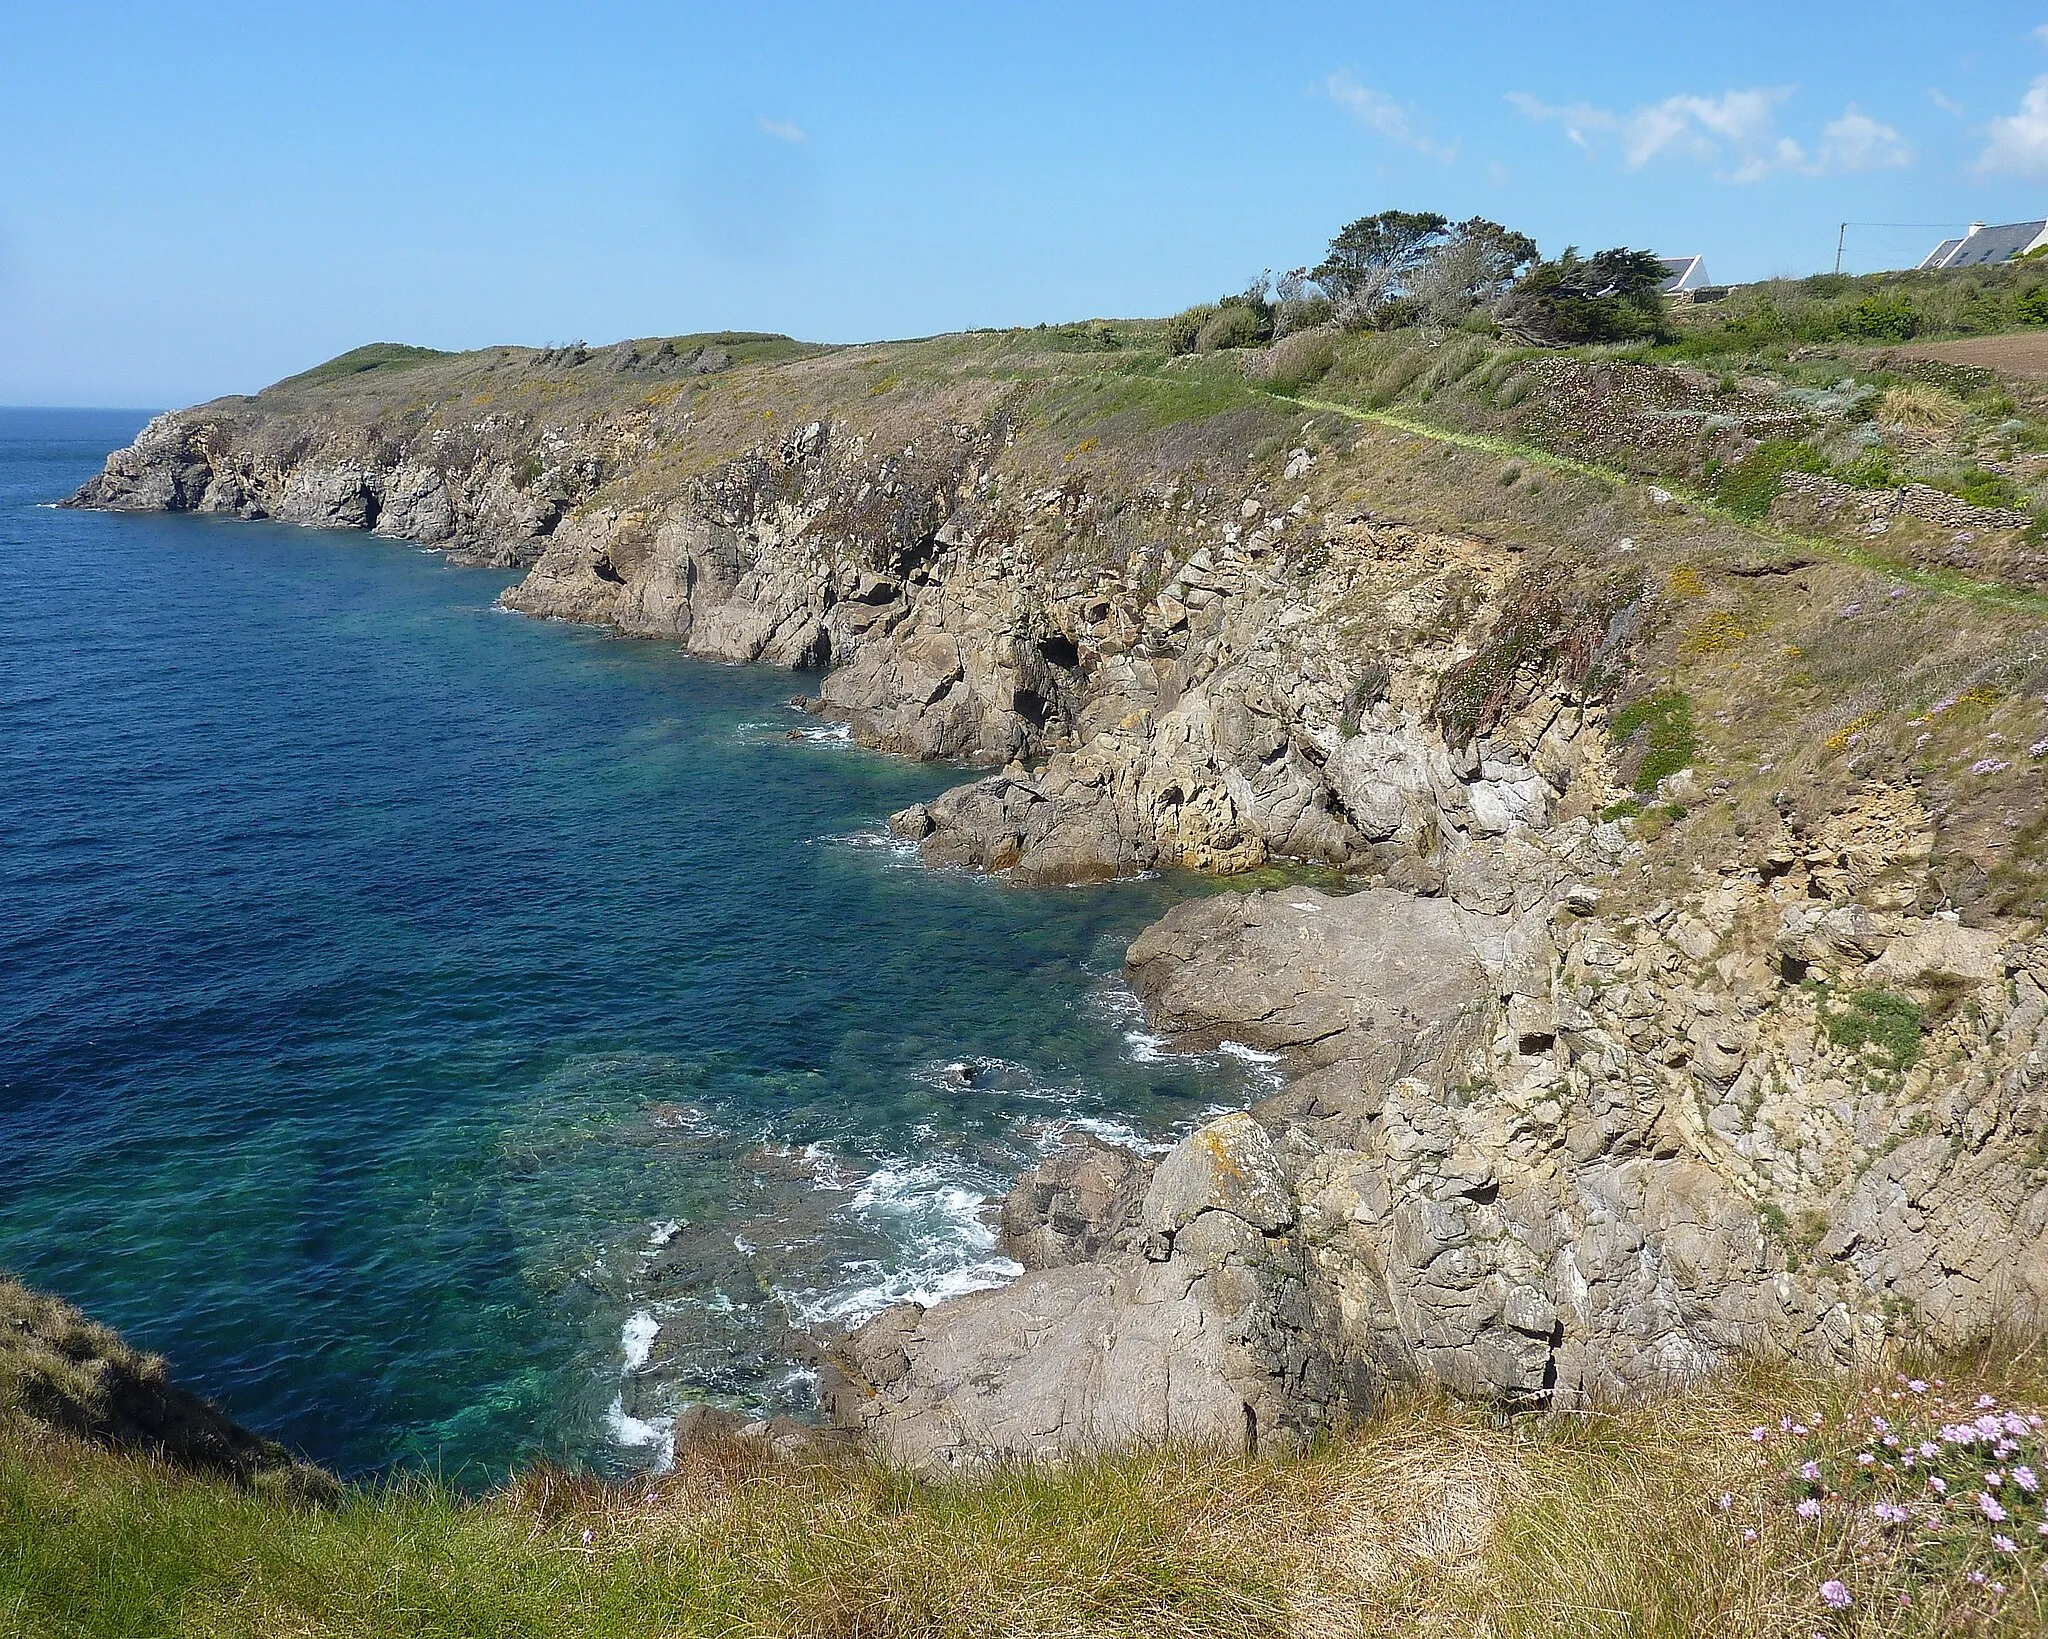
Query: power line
(1842,236)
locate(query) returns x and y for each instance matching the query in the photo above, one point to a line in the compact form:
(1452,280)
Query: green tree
(1371,260)
(1611,296)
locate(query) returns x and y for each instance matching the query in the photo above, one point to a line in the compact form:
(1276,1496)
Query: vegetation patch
(1749,486)
(1664,720)
(1894,1024)
(379,357)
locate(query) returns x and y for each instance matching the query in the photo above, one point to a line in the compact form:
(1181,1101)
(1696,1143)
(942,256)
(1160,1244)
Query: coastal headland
(1688,1001)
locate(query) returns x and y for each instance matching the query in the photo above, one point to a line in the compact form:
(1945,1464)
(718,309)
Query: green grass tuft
(1666,718)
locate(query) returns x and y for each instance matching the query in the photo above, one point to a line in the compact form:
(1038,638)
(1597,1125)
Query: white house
(1683,274)
(1982,245)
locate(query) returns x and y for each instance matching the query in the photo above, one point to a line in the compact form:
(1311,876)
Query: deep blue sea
(450,1037)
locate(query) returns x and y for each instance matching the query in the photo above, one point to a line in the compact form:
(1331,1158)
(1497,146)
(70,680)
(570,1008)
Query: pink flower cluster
(1955,1487)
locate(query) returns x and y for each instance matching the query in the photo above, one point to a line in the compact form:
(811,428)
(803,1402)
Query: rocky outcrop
(1532,1153)
(1201,1327)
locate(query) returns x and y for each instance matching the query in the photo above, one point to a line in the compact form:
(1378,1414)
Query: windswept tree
(1372,260)
(1401,267)
(1474,267)
(1612,296)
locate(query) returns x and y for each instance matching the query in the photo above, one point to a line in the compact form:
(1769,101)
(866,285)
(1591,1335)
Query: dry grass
(1434,1519)
(1917,407)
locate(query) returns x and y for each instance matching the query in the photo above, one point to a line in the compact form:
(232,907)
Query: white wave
(1146,1048)
(897,850)
(637,1433)
(663,1232)
(1120,1133)
(1264,1067)
(944,1246)
(636,1338)
(816,734)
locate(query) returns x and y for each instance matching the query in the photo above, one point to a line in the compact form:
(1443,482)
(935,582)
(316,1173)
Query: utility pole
(1841,235)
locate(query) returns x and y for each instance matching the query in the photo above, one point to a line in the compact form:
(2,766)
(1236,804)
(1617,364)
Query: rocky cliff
(1684,1000)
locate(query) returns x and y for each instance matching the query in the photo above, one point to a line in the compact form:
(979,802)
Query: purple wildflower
(1727,1502)
(1986,1401)
(1759,1435)
(1808,1509)
(1916,1386)
(588,1536)
(1929,1449)
(1835,1594)
(2024,1478)
(1989,765)
(1937,1485)
(2005,1544)
(1987,1505)
(1749,1535)
(1809,1470)
(1890,1513)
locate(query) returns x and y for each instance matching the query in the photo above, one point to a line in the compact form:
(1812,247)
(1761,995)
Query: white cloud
(1378,112)
(2019,141)
(1948,105)
(785,130)
(1856,142)
(2041,31)
(1736,133)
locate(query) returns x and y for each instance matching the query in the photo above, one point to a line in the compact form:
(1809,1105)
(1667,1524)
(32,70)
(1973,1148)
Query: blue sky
(199,199)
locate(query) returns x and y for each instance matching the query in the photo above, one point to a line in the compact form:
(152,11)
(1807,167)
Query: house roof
(1684,273)
(1982,246)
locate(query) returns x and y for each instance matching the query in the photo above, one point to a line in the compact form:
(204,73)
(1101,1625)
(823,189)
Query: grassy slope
(1433,1519)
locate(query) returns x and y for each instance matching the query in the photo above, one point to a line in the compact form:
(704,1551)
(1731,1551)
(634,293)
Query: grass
(1432,1519)
(1947,583)
(1664,720)
(385,357)
(1892,1023)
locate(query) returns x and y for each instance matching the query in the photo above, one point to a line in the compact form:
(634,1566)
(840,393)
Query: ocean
(452,1038)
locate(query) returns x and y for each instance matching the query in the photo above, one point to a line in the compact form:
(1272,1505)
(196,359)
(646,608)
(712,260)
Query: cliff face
(1635,1050)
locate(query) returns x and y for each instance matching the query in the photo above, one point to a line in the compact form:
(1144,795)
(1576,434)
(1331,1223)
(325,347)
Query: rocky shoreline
(1554,1133)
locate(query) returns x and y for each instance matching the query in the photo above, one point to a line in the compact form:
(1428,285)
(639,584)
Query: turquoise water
(449,1036)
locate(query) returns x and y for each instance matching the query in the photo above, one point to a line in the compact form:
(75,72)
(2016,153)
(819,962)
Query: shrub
(1871,470)
(1666,719)
(1233,325)
(1612,296)
(1988,489)
(2030,306)
(1883,317)
(1294,361)
(1183,328)
(1302,313)
(1747,487)
(1881,1018)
